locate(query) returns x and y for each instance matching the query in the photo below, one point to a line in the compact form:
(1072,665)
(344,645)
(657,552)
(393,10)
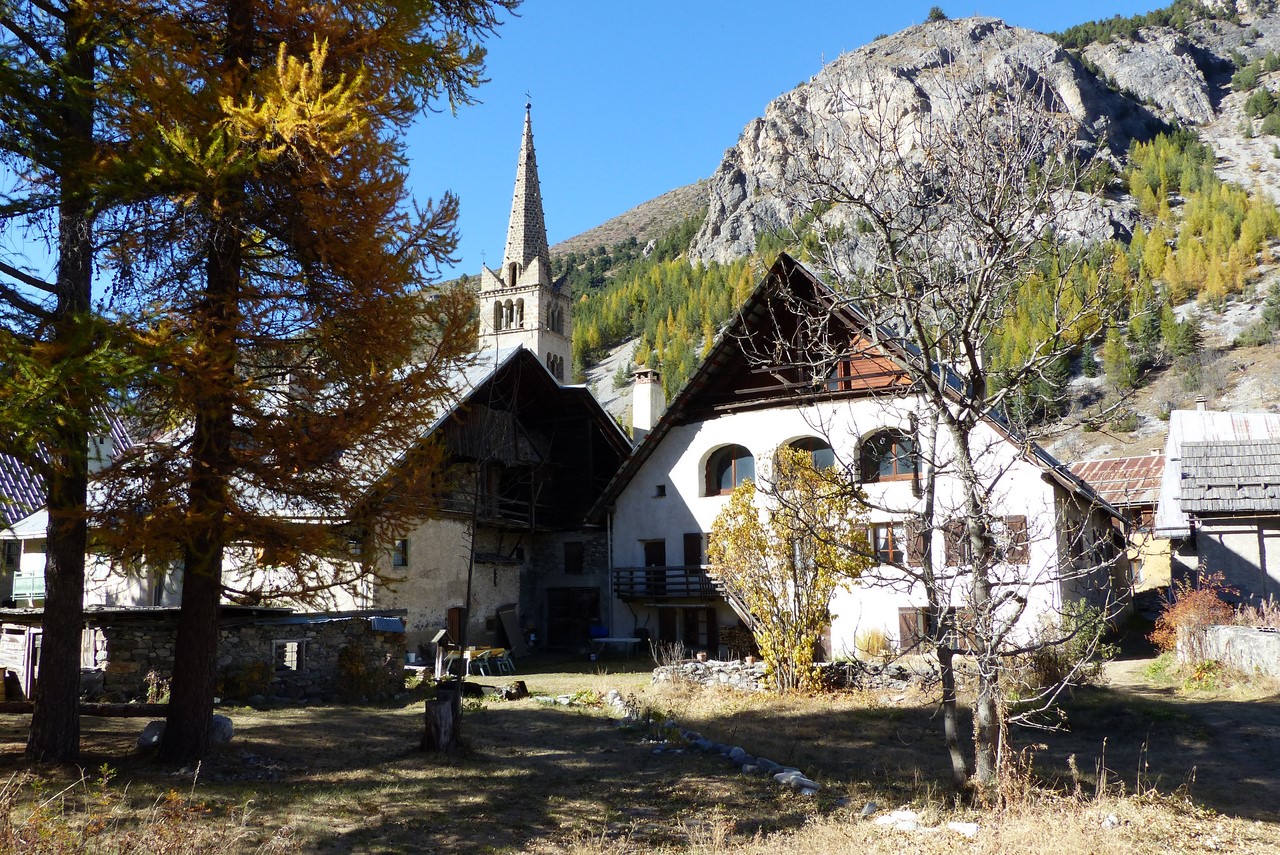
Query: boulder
(151,734)
(220,730)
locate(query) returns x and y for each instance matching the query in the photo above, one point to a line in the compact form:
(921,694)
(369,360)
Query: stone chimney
(101,450)
(647,402)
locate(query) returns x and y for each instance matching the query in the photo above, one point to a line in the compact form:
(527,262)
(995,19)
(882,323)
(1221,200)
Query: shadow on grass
(352,778)
(348,778)
(1226,753)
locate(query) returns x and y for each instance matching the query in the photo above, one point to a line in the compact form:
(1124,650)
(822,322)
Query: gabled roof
(876,369)
(516,373)
(1214,429)
(22,490)
(1124,481)
(1233,477)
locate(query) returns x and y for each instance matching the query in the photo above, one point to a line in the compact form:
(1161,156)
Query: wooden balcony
(663,583)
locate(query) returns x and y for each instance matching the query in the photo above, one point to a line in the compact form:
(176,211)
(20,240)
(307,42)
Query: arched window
(728,467)
(508,315)
(512,272)
(823,456)
(520,312)
(497,314)
(889,455)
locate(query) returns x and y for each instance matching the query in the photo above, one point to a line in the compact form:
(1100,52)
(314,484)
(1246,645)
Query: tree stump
(442,721)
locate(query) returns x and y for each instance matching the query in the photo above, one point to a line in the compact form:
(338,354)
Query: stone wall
(1253,651)
(339,658)
(737,674)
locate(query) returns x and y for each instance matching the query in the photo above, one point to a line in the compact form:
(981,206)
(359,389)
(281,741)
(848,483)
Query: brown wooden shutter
(952,532)
(915,542)
(1019,551)
(908,628)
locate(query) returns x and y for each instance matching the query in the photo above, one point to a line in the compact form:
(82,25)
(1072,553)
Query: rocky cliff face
(1123,89)
(918,67)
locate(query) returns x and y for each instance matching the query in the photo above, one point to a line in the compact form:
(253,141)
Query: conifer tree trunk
(217,320)
(55,723)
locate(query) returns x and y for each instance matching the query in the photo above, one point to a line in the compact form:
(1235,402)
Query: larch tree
(297,350)
(933,205)
(58,361)
(781,548)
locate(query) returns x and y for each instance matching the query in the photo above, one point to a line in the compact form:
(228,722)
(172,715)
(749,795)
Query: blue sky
(632,99)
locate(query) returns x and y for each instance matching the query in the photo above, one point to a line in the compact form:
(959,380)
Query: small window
(288,655)
(400,553)
(727,468)
(889,542)
(841,377)
(823,455)
(573,557)
(889,455)
(660,491)
(12,549)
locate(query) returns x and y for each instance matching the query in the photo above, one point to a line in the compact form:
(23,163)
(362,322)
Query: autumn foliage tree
(296,350)
(782,549)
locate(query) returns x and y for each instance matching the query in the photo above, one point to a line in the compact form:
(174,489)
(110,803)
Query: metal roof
(22,490)
(1124,481)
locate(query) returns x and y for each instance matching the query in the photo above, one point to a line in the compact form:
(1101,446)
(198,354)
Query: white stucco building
(1057,540)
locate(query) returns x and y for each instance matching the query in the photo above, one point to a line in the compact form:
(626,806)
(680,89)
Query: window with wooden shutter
(954,543)
(1017,547)
(915,542)
(911,628)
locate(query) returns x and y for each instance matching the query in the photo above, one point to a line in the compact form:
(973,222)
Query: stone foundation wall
(736,674)
(339,658)
(1242,647)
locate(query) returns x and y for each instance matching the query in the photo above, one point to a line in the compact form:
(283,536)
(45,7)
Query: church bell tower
(519,303)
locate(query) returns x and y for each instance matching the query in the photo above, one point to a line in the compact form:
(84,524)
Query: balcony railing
(662,583)
(28,587)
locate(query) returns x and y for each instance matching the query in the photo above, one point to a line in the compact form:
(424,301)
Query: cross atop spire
(527,232)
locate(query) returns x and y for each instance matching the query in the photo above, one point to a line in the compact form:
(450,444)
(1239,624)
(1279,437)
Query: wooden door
(570,612)
(667,626)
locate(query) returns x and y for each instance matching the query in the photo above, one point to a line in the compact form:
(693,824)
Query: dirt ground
(547,778)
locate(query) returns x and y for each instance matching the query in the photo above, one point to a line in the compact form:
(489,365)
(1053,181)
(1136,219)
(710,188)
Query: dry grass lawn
(1182,773)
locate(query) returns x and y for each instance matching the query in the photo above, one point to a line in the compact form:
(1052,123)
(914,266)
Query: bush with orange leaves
(1195,607)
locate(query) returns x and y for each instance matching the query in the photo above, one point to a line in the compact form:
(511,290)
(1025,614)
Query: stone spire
(527,233)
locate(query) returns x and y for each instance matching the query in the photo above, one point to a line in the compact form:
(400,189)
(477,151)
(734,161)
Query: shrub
(1194,608)
(1245,79)
(1256,334)
(1068,648)
(873,642)
(1261,103)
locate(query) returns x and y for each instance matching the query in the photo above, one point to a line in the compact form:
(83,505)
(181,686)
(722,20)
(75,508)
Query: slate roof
(1124,481)
(1206,428)
(1233,477)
